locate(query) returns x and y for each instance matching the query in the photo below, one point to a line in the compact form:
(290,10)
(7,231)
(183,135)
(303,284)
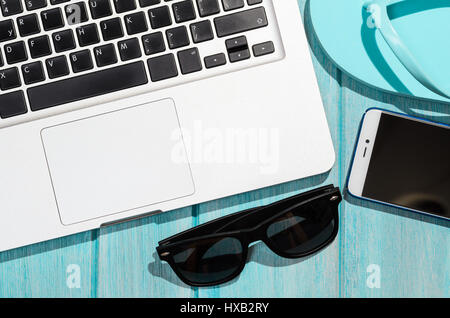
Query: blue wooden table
(379,252)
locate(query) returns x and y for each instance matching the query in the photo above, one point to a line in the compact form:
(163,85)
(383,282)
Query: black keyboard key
(52,19)
(136,23)
(100,8)
(9,79)
(7,31)
(28,25)
(153,43)
(208,7)
(263,48)
(190,61)
(12,104)
(184,11)
(87,35)
(11,7)
(239,55)
(215,60)
(39,46)
(76,13)
(105,55)
(129,49)
(33,73)
(81,61)
(160,17)
(237,49)
(202,31)
(236,44)
(232,4)
(15,52)
(86,86)
(35,4)
(241,22)
(57,67)
(111,29)
(1,59)
(63,40)
(253,2)
(146,3)
(124,5)
(162,67)
(177,37)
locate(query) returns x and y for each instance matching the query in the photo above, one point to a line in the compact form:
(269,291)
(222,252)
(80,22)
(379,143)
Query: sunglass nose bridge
(256,235)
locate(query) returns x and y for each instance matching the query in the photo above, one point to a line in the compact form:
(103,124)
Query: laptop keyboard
(55,52)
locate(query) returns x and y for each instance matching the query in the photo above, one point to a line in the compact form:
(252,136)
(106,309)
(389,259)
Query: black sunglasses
(216,252)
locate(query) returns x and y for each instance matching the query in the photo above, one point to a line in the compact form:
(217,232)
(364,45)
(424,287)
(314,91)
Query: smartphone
(402,161)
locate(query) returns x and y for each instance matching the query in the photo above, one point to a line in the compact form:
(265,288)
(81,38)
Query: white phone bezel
(363,152)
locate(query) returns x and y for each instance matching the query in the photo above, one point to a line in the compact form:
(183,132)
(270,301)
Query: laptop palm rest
(118,161)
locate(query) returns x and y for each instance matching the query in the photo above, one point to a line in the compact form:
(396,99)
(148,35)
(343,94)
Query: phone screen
(410,165)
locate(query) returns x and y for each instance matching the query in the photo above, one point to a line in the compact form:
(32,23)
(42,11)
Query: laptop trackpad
(117,161)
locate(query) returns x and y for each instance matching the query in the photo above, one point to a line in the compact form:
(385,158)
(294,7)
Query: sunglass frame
(249,235)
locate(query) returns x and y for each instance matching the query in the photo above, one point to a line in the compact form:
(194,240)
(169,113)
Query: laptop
(116,109)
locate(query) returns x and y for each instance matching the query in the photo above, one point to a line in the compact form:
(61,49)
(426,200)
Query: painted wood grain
(266,274)
(412,252)
(43,270)
(128,264)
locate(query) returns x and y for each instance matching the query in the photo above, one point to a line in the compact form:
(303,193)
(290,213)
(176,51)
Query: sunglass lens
(210,260)
(303,229)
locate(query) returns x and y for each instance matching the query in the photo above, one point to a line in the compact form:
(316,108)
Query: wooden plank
(412,251)
(266,274)
(128,265)
(44,269)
